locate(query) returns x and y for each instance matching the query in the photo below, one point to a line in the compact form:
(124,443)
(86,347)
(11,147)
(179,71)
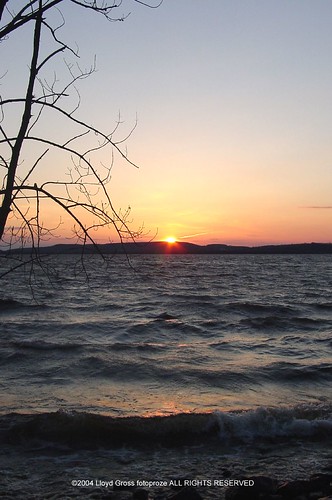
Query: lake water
(214,352)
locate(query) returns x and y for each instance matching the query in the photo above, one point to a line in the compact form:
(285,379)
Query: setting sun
(170,239)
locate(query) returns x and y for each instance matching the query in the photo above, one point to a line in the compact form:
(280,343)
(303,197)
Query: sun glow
(170,239)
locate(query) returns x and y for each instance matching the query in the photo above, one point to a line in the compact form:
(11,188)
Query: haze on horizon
(234,108)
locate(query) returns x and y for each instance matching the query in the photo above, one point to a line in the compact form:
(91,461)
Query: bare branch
(5,209)
(82,192)
(21,18)
(149,5)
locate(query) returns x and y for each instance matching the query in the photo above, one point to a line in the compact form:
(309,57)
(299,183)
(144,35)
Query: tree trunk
(17,147)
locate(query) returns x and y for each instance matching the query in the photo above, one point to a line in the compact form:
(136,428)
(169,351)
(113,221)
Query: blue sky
(234,107)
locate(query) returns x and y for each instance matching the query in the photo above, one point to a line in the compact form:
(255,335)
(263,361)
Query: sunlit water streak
(167,336)
(180,333)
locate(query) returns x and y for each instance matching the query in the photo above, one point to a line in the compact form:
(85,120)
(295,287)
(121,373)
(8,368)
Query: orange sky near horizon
(234,107)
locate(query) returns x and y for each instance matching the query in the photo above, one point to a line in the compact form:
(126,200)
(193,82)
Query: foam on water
(83,430)
(198,365)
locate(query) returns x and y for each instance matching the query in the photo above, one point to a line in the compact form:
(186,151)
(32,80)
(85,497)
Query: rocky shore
(316,487)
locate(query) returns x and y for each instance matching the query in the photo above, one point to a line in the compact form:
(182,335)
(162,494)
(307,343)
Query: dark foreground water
(201,367)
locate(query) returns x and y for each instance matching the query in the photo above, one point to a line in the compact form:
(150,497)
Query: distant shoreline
(184,248)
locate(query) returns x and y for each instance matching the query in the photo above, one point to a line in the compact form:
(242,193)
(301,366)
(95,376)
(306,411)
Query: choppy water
(247,338)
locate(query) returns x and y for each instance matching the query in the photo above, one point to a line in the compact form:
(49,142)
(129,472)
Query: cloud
(319,207)
(192,235)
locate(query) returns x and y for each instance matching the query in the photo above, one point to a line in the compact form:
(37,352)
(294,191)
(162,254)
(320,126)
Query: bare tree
(83,194)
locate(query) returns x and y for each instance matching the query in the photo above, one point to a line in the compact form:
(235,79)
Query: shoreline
(176,248)
(40,471)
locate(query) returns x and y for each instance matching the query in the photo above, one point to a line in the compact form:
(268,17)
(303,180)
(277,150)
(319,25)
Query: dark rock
(140,494)
(318,486)
(323,477)
(293,489)
(187,494)
(236,493)
(321,483)
(240,493)
(263,487)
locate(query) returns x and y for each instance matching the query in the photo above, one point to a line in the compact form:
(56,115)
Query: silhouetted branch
(83,193)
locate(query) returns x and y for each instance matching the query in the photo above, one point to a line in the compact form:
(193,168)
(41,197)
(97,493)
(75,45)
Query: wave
(144,360)
(138,346)
(296,323)
(42,345)
(9,303)
(12,304)
(322,305)
(162,328)
(253,307)
(291,371)
(86,430)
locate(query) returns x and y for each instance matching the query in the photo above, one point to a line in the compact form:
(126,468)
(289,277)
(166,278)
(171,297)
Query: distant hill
(161,247)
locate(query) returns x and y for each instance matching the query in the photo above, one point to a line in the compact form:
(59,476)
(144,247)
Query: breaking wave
(86,430)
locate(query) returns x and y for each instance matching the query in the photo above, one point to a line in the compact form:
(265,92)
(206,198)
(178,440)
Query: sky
(233,100)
